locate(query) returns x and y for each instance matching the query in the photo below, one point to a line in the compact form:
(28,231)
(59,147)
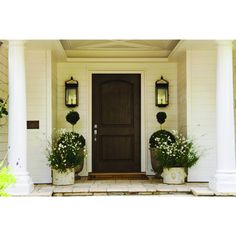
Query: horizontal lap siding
(4,95)
(36,81)
(201,111)
(54,92)
(181,92)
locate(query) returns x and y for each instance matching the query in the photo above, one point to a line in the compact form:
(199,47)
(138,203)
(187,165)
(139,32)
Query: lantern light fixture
(71,93)
(162,92)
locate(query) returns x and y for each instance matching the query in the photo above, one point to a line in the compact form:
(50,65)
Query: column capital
(224,43)
(16,43)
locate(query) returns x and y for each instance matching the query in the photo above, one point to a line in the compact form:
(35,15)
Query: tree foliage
(6,179)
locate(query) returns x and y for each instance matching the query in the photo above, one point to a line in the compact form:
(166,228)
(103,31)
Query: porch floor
(151,186)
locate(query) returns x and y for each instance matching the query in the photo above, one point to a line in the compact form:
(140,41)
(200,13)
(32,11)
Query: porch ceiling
(118,48)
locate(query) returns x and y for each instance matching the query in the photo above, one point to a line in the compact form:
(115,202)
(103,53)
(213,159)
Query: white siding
(38,76)
(234,72)
(54,92)
(182,98)
(4,95)
(150,73)
(201,110)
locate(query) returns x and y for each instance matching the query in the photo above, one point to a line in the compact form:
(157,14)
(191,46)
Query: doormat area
(117,176)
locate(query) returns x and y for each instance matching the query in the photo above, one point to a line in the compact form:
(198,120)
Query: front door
(116,123)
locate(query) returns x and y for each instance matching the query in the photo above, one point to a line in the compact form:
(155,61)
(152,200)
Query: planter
(155,163)
(174,175)
(63,178)
(79,168)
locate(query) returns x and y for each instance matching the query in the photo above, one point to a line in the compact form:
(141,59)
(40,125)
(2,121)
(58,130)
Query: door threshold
(114,176)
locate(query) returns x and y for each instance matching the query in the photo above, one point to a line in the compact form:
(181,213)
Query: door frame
(89,131)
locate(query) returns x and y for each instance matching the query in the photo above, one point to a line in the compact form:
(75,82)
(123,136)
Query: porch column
(17,135)
(224,179)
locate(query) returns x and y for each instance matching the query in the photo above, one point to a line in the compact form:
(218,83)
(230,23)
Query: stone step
(115,176)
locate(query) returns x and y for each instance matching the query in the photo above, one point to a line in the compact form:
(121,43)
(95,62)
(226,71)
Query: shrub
(181,153)
(66,151)
(159,137)
(161,117)
(72,117)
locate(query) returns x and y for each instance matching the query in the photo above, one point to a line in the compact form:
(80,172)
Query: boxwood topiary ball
(161,117)
(72,117)
(161,136)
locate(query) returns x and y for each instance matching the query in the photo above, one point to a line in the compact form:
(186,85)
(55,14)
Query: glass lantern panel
(71,96)
(162,96)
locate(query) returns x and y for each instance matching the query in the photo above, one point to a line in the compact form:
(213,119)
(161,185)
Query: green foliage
(72,117)
(159,137)
(67,150)
(6,179)
(181,153)
(161,117)
(3,109)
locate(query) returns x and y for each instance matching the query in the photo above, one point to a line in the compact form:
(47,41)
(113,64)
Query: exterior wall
(234,76)
(150,73)
(182,95)
(4,95)
(38,82)
(201,110)
(54,92)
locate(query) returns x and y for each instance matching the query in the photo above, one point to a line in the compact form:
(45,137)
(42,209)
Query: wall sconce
(162,92)
(71,93)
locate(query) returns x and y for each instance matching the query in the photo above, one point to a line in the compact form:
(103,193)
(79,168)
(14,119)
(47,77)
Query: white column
(224,179)
(17,133)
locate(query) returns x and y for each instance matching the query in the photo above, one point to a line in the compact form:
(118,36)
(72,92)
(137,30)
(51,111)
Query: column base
(223,182)
(23,185)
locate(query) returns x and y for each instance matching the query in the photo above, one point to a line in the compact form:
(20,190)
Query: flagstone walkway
(86,187)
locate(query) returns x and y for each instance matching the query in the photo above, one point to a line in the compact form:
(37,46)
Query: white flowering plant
(159,137)
(180,153)
(66,151)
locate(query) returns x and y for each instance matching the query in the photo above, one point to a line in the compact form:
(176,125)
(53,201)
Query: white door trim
(143,135)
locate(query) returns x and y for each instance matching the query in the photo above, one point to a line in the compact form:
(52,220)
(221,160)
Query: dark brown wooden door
(116,123)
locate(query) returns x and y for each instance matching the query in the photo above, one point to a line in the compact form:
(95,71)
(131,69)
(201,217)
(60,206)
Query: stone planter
(78,169)
(174,175)
(155,163)
(63,178)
